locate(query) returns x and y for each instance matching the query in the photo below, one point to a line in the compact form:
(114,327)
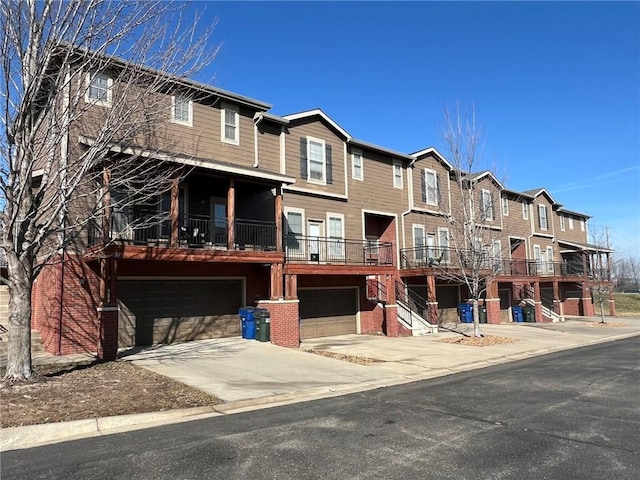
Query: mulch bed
(346,358)
(485,341)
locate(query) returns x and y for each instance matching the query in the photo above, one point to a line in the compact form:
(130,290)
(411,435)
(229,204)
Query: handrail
(310,249)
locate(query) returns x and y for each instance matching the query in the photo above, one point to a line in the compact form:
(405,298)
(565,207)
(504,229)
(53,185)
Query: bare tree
(600,268)
(627,274)
(473,257)
(67,148)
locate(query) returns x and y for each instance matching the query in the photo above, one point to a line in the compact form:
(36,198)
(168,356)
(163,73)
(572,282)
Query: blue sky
(556,86)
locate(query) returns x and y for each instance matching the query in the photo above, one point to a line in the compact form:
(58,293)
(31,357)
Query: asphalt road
(574,414)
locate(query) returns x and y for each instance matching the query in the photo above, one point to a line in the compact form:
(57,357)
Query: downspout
(257,119)
(59,346)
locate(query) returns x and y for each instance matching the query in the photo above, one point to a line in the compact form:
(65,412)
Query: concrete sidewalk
(249,374)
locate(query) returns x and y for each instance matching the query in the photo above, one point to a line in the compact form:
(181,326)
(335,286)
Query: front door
(219,221)
(315,232)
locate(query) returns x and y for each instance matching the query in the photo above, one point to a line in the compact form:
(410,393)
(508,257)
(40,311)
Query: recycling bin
(482,314)
(466,313)
(529,312)
(248,322)
(518,315)
(263,325)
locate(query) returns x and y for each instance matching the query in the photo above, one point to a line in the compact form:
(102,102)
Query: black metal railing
(301,248)
(193,231)
(413,301)
(446,258)
(376,290)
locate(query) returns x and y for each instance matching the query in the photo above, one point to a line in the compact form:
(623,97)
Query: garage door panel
(328,312)
(165,311)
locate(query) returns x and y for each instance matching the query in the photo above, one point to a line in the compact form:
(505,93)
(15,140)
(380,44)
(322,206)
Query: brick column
(432,301)
(557,303)
(285,324)
(108,334)
(231,215)
(612,302)
(492,303)
(585,301)
(538,302)
(390,308)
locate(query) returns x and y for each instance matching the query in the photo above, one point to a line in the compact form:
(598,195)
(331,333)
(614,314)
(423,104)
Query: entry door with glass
(315,232)
(219,221)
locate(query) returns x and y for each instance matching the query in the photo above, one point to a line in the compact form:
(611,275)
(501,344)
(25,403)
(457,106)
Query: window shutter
(329,165)
(438,190)
(424,186)
(303,157)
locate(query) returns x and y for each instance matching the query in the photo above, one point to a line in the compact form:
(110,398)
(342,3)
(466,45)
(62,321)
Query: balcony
(437,258)
(193,232)
(334,251)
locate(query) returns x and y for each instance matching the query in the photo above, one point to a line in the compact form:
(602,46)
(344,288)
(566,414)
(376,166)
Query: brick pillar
(586,302)
(390,308)
(285,325)
(108,333)
(492,303)
(557,303)
(538,302)
(612,303)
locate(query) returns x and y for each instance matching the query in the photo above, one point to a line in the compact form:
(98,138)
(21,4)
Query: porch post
(391,308)
(291,286)
(276,281)
(586,301)
(432,300)
(231,215)
(278,209)
(174,212)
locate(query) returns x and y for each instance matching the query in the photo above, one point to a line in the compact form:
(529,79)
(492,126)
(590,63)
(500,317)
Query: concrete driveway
(235,369)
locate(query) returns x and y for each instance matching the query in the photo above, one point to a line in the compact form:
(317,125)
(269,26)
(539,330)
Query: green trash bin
(482,314)
(263,325)
(529,313)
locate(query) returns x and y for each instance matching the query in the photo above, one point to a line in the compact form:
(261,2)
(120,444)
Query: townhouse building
(330,233)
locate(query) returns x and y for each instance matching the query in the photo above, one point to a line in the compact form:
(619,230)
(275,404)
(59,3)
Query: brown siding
(431,163)
(574,235)
(514,224)
(269,146)
(542,200)
(317,129)
(316,208)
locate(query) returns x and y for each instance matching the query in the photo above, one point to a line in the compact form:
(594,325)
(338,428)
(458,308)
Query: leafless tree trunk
(473,257)
(51,175)
(600,273)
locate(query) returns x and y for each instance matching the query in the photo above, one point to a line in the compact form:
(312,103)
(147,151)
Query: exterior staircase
(412,311)
(546,312)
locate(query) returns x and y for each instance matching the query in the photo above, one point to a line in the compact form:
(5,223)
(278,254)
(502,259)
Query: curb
(29,436)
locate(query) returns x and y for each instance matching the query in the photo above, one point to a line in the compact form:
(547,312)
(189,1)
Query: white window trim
(93,101)
(570,223)
(418,254)
(331,215)
(188,123)
(415,227)
(444,255)
(487,209)
(582,226)
(561,223)
(341,246)
(427,171)
(235,110)
(546,217)
(354,152)
(397,164)
(323,181)
(505,206)
(525,211)
(303,224)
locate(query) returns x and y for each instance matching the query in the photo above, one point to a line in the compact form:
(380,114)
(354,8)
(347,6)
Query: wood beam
(174,211)
(278,214)
(231,215)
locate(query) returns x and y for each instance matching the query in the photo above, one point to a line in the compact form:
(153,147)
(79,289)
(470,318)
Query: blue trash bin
(247,322)
(466,312)
(518,315)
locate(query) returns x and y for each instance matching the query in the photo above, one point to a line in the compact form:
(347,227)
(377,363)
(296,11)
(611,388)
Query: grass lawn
(627,305)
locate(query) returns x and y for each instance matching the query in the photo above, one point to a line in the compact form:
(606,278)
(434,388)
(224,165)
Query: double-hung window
(99,86)
(295,243)
(443,243)
(357,170)
(525,211)
(431,195)
(582,225)
(397,174)
(486,204)
(181,110)
(562,222)
(542,217)
(230,124)
(418,243)
(317,160)
(570,223)
(505,206)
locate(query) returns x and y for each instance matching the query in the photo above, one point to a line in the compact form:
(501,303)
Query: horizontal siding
(431,163)
(431,223)
(269,147)
(376,191)
(575,235)
(316,208)
(317,129)
(542,200)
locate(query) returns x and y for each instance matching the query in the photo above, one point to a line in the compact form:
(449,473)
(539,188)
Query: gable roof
(321,114)
(378,148)
(433,151)
(536,192)
(477,176)
(517,193)
(571,212)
